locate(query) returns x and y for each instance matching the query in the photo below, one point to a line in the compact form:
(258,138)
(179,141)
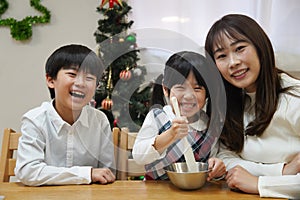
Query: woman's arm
(231,159)
(287,186)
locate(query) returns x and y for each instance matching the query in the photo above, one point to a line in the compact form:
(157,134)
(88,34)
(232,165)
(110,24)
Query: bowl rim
(188,172)
(202,171)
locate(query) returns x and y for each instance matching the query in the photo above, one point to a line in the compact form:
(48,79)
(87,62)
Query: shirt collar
(84,117)
(58,122)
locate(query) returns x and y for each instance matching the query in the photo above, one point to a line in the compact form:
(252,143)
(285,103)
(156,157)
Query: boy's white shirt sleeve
(231,159)
(287,186)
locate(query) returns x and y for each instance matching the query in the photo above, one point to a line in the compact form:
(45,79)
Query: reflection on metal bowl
(180,177)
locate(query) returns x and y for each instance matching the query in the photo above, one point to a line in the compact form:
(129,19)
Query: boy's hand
(102,175)
(217,167)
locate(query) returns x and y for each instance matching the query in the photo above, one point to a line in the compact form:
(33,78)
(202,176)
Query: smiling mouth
(239,73)
(77,94)
(187,105)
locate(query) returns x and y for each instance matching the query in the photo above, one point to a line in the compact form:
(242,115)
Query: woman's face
(238,62)
(190,95)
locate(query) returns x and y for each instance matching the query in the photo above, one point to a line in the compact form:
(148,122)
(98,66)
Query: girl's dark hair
(177,69)
(73,56)
(236,26)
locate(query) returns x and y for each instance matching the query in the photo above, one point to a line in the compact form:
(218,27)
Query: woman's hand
(102,175)
(239,178)
(217,167)
(292,167)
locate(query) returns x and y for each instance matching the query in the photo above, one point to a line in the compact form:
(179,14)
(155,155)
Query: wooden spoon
(188,154)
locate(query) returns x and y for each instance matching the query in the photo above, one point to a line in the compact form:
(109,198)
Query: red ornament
(116,121)
(125,75)
(107,103)
(111,3)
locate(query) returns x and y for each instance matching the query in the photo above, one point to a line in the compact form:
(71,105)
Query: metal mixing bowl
(180,177)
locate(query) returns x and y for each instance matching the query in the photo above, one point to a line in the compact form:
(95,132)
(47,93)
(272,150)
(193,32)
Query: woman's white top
(266,155)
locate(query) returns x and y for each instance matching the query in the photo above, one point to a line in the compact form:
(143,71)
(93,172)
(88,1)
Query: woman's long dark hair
(177,69)
(236,26)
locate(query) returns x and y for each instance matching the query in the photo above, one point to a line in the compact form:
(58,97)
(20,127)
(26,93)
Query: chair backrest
(126,166)
(9,145)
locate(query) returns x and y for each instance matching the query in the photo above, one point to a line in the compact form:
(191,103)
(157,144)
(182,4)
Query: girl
(158,142)
(262,127)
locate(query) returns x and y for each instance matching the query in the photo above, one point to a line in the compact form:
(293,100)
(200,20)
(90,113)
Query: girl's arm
(150,146)
(143,150)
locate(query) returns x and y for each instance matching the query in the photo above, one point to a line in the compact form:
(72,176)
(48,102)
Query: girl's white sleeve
(143,150)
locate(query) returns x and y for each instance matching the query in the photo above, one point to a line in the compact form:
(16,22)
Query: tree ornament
(121,39)
(22,30)
(137,71)
(111,3)
(131,38)
(116,121)
(125,75)
(107,103)
(109,81)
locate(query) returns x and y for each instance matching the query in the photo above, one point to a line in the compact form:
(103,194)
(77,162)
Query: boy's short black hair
(73,56)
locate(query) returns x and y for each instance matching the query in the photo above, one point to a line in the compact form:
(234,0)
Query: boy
(66,141)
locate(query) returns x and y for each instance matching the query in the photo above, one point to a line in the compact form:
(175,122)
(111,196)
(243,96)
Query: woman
(261,135)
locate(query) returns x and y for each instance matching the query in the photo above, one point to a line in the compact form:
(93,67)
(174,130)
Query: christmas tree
(122,93)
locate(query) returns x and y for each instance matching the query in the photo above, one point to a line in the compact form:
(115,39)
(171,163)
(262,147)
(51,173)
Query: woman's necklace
(22,30)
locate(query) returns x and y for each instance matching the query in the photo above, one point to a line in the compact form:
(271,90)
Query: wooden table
(130,190)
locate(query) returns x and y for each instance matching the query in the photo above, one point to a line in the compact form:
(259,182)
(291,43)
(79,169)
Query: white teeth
(240,72)
(188,105)
(78,94)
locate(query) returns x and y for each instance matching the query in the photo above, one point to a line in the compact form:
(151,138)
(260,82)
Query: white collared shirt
(52,152)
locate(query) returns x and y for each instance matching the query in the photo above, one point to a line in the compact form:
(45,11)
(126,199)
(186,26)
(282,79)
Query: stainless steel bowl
(180,177)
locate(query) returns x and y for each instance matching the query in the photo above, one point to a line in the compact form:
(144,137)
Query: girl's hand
(239,178)
(179,128)
(217,167)
(292,167)
(102,175)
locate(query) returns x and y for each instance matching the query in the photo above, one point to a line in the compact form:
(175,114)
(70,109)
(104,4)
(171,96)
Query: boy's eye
(240,48)
(72,74)
(90,78)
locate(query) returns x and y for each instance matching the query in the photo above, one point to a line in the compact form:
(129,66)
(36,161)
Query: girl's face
(238,62)
(73,90)
(191,96)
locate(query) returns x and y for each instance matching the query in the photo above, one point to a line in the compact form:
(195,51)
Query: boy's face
(73,89)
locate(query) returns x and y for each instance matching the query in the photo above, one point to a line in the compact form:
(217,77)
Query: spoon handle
(188,154)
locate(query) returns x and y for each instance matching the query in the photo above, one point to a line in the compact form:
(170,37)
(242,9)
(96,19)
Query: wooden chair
(126,166)
(9,145)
